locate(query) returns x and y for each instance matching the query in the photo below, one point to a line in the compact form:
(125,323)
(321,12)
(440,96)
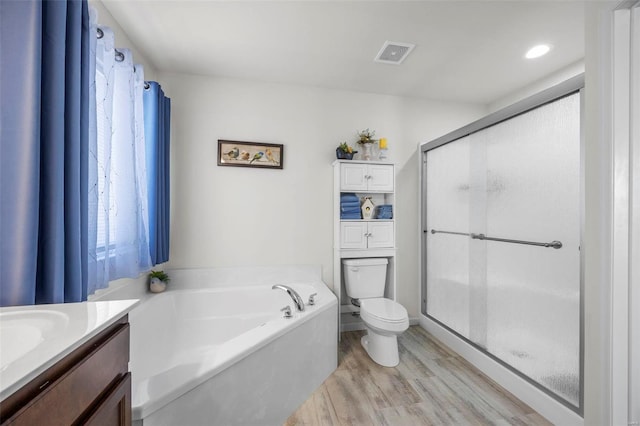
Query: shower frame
(562,412)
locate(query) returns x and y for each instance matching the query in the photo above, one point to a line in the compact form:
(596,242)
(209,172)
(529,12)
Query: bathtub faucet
(297,300)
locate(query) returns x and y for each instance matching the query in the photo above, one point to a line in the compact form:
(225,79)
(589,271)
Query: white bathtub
(209,351)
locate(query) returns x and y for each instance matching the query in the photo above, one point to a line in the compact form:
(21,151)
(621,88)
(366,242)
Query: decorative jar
(367,151)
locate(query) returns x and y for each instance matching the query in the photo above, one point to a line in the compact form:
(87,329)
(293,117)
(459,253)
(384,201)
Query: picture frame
(250,154)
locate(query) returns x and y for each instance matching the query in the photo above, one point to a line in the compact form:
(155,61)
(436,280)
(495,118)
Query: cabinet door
(353,177)
(380,235)
(380,177)
(353,235)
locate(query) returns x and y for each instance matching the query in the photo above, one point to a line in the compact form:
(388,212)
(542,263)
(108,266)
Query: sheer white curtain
(119,244)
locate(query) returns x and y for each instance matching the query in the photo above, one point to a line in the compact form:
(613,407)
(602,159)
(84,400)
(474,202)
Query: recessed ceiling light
(537,51)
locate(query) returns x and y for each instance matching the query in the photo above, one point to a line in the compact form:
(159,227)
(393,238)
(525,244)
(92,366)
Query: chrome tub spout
(297,300)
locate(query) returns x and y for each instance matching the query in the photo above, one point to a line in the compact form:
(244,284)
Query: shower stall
(501,239)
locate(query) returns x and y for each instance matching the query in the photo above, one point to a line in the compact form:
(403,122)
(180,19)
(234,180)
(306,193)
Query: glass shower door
(516,180)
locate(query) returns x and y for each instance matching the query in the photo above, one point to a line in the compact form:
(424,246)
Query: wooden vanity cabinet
(90,386)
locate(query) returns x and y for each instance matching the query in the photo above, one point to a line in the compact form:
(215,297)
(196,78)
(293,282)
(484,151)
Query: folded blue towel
(349,197)
(350,205)
(384,211)
(351,215)
(354,211)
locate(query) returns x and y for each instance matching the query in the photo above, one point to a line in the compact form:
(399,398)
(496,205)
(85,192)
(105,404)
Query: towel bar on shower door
(553,244)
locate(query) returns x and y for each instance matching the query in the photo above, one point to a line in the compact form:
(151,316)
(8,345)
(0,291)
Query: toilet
(383,318)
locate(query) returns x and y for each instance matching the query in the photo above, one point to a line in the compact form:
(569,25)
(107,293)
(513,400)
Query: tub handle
(312,299)
(287,312)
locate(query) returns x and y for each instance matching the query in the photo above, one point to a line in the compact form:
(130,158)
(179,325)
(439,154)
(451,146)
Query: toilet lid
(384,309)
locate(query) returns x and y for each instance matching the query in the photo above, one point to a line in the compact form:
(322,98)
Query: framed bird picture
(250,154)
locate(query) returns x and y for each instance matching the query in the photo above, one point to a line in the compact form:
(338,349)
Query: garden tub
(216,349)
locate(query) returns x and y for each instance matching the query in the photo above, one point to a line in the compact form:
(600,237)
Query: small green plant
(161,275)
(344,147)
(366,136)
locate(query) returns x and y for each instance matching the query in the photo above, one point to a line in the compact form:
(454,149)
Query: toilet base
(382,349)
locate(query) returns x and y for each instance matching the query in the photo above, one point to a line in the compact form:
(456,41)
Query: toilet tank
(365,278)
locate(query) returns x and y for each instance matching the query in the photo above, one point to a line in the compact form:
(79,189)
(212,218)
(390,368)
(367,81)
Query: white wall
(230,216)
(603,184)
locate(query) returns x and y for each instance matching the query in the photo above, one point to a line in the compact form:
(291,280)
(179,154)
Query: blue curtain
(44,158)
(157,118)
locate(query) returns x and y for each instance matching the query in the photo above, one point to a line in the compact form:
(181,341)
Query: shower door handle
(553,244)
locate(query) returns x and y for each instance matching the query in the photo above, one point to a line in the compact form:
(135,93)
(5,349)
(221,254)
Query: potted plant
(345,152)
(158,281)
(365,138)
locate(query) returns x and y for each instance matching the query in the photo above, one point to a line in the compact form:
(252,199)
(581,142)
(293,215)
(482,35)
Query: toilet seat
(384,314)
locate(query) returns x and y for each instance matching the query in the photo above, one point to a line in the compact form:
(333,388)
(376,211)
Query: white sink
(35,337)
(24,331)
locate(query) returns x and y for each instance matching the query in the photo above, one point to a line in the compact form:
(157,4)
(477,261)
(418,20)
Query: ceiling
(468,51)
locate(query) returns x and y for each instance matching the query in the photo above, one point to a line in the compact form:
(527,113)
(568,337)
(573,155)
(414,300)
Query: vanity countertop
(33,338)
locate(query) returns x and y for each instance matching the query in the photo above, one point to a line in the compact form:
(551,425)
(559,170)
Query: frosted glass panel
(518,179)
(447,258)
(533,294)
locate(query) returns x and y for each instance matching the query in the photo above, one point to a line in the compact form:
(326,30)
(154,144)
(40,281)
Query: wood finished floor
(431,386)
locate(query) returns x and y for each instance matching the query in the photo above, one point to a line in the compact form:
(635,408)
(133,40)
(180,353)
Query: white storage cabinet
(359,238)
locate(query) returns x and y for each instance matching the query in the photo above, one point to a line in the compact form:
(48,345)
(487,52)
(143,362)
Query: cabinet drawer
(65,400)
(115,408)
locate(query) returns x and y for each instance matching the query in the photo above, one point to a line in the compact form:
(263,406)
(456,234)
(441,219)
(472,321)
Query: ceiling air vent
(393,52)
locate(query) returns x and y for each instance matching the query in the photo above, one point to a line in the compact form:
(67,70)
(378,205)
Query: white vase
(367,151)
(157,286)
